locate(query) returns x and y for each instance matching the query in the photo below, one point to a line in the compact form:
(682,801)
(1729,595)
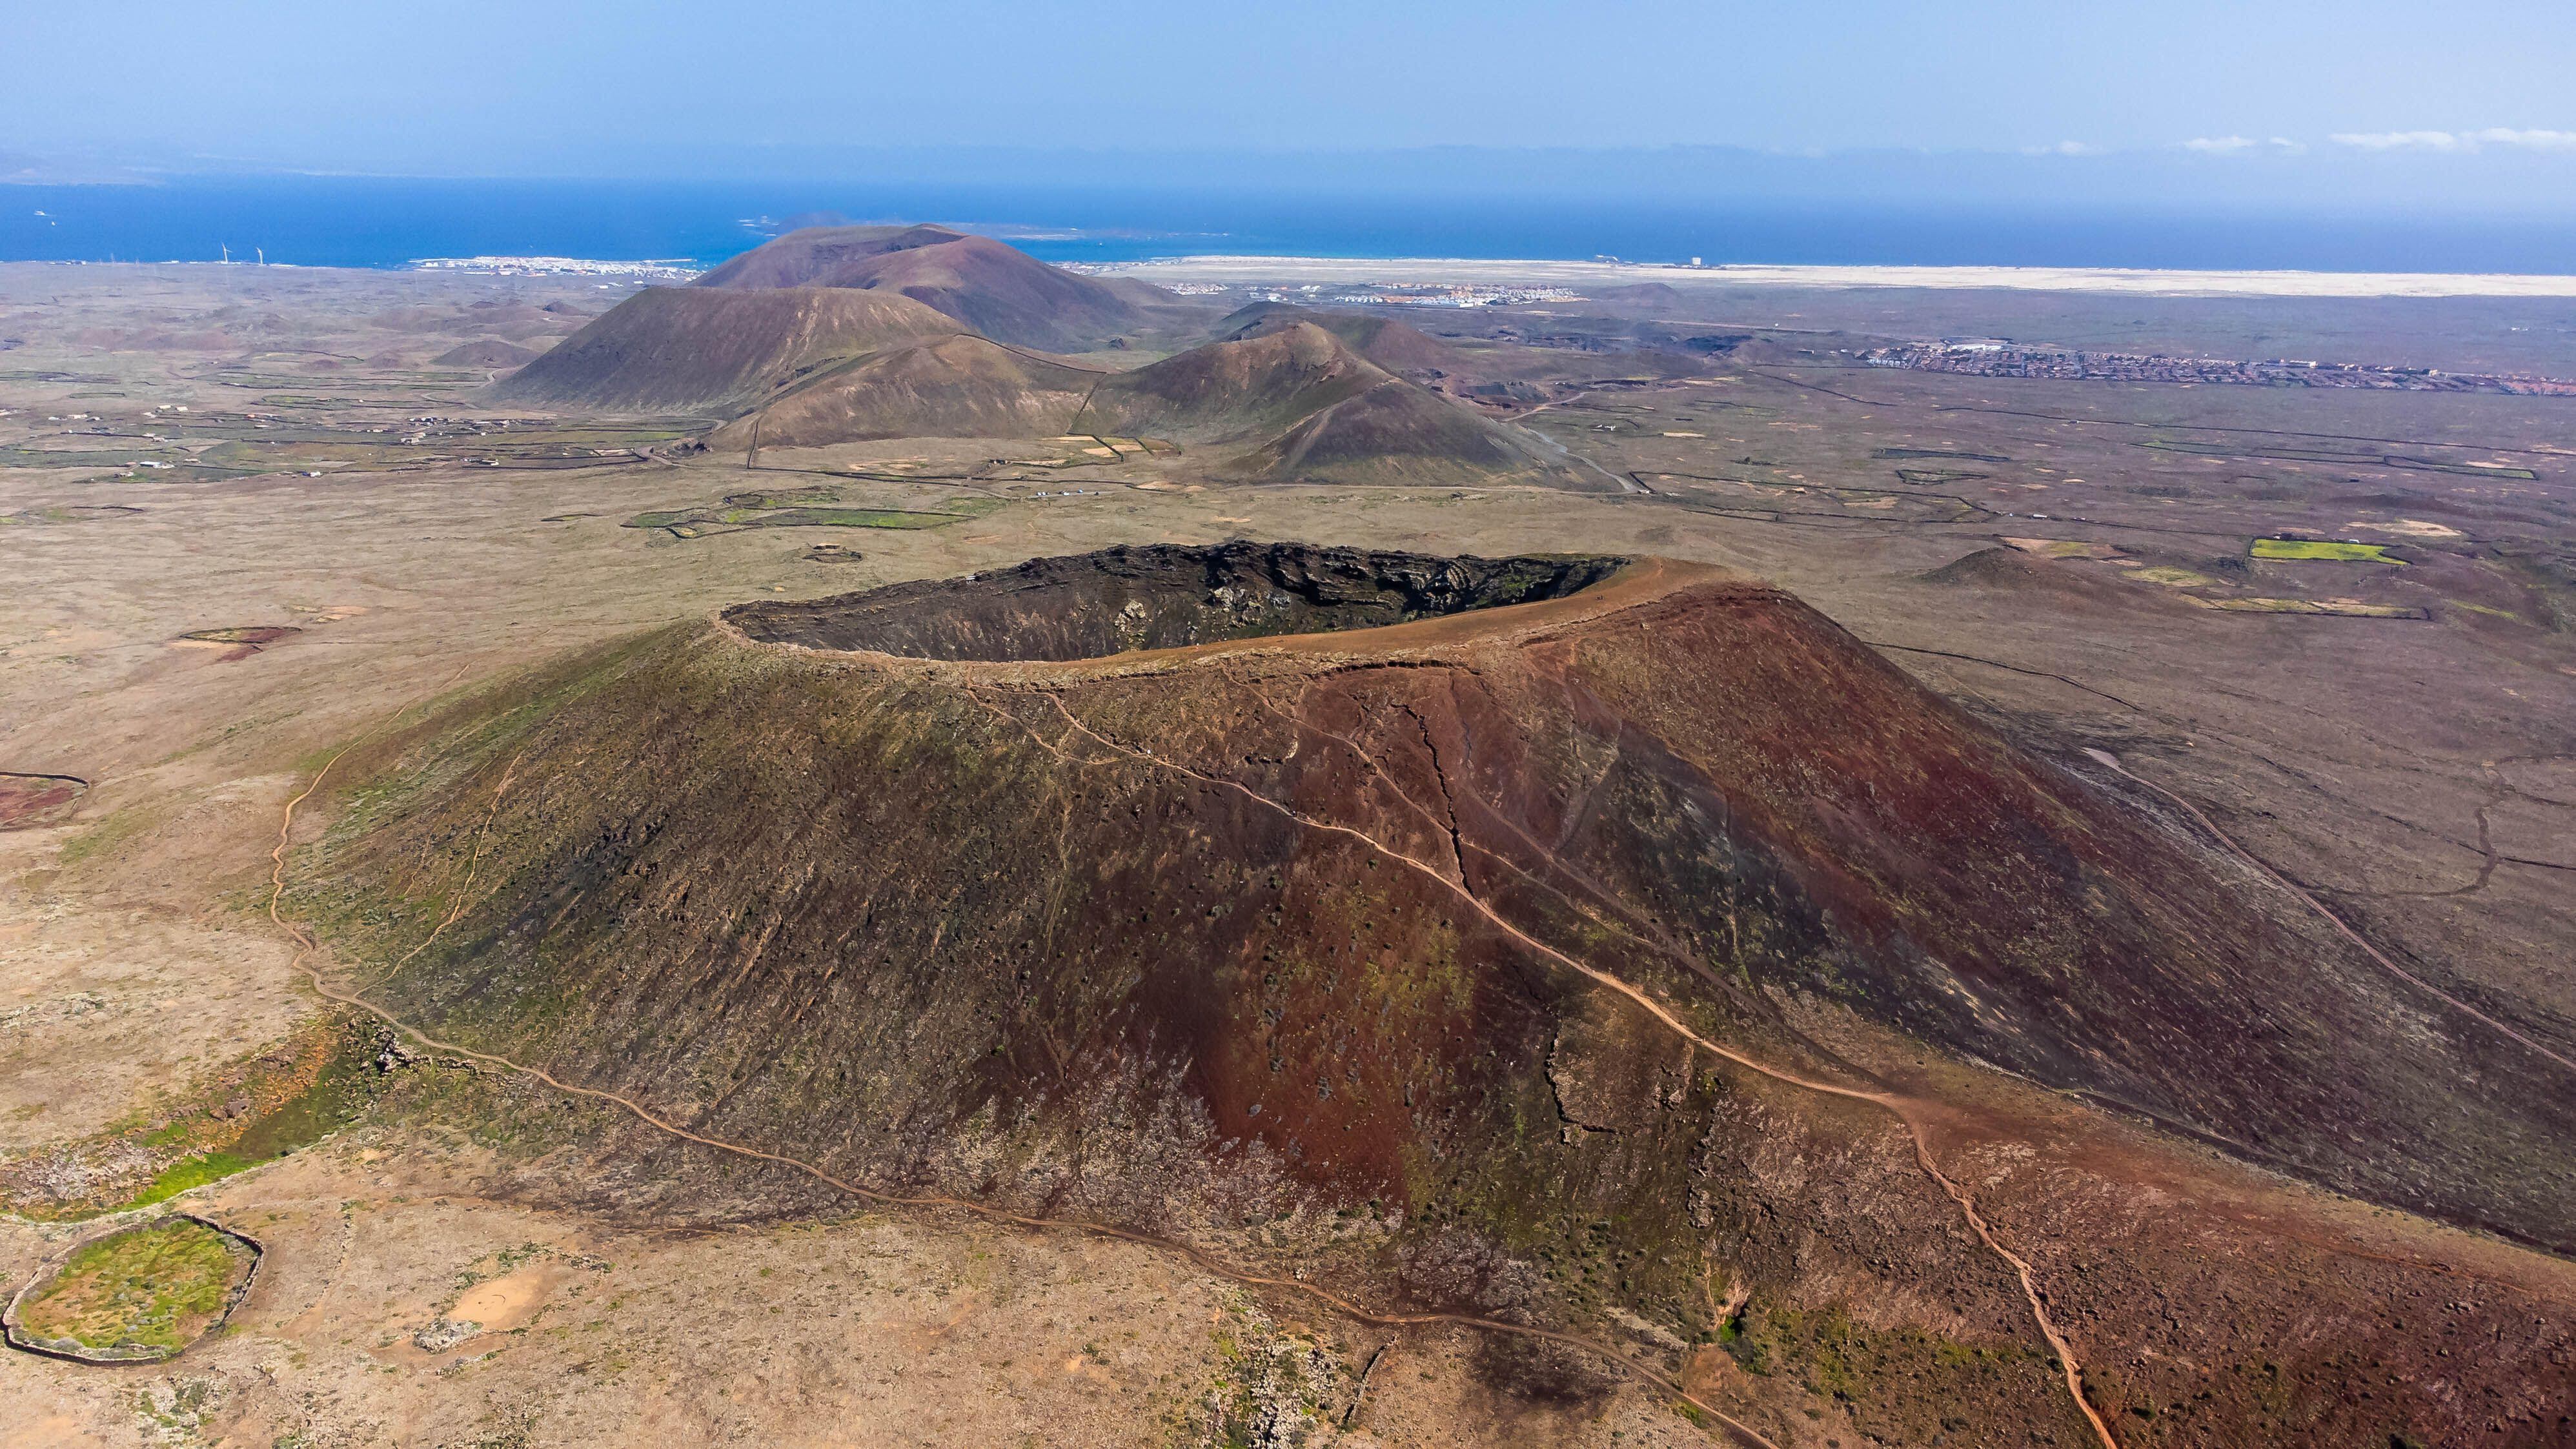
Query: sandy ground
(861,1331)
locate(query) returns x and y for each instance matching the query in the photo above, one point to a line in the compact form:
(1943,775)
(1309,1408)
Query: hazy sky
(526,86)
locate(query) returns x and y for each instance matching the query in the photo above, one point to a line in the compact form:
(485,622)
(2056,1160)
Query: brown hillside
(995,289)
(1167,308)
(1298,403)
(812,256)
(949,387)
(1896,856)
(1397,433)
(1293,404)
(2011,571)
(490,352)
(678,349)
(1417,919)
(1396,346)
(1232,390)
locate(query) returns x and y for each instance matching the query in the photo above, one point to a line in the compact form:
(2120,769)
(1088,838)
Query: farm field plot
(2322,551)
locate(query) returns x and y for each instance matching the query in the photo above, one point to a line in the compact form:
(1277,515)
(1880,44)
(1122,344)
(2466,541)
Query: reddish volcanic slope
(948,387)
(1296,403)
(675,349)
(1696,778)
(996,289)
(814,256)
(1392,344)
(1181,887)
(1292,404)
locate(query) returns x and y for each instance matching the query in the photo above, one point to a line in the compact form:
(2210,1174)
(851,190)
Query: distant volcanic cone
(991,287)
(1183,886)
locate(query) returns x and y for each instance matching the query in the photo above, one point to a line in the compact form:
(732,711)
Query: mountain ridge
(988,286)
(676,349)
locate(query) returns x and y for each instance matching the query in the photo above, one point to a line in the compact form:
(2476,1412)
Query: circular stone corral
(203,1309)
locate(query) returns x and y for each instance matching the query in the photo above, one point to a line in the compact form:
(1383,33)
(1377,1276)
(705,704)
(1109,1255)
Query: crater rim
(1131,600)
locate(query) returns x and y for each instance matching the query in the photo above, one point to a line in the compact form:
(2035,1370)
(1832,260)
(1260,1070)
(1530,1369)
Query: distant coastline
(391,222)
(657,269)
(1473,271)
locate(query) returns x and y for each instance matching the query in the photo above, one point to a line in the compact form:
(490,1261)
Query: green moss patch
(237,1117)
(1898,1386)
(802,508)
(139,1294)
(2316,550)
(103,839)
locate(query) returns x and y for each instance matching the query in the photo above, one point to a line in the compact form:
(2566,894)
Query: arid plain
(2316,642)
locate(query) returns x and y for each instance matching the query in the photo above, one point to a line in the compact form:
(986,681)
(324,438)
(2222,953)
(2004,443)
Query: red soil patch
(28,802)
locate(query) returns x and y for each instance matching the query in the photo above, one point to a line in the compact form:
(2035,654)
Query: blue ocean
(376,222)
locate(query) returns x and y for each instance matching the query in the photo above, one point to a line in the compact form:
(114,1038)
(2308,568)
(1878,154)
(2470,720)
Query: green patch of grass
(298,1122)
(283,1101)
(782,498)
(187,1173)
(803,508)
(148,1291)
(1895,1383)
(108,835)
(2323,550)
(855,518)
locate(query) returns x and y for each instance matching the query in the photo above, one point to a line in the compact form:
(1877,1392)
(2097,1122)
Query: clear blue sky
(530,87)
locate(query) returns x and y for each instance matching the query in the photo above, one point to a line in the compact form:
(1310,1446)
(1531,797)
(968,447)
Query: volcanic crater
(1163,596)
(1504,906)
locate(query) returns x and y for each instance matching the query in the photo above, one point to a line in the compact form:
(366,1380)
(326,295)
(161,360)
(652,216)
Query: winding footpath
(306,947)
(1904,1109)
(2259,867)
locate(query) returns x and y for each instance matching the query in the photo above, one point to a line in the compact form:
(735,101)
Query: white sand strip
(1465,271)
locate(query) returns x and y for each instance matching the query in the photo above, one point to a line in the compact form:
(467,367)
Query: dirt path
(1905,1110)
(2256,863)
(306,946)
(464,898)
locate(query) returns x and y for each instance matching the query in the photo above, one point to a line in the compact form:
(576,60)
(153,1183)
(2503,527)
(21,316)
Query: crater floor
(1164,596)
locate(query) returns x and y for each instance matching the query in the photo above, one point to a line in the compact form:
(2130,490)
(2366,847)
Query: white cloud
(2453,141)
(2399,140)
(2064,148)
(2238,145)
(2535,140)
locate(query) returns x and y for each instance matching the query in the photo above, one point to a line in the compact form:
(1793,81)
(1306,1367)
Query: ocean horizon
(372,222)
